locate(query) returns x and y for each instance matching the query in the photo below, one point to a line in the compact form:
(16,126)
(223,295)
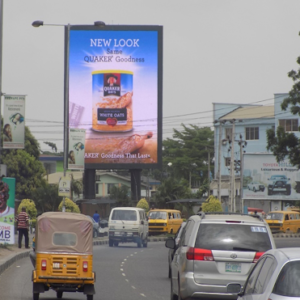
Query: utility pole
(232,174)
(219,158)
(208,175)
(242,143)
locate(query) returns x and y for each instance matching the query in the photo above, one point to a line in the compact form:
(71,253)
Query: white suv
(216,250)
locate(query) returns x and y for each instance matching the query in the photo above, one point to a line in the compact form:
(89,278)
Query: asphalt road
(124,272)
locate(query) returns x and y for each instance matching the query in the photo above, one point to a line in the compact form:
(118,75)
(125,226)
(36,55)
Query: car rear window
(287,283)
(236,237)
(124,215)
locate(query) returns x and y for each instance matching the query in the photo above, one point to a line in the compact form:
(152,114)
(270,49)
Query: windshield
(287,283)
(274,216)
(230,237)
(124,215)
(158,215)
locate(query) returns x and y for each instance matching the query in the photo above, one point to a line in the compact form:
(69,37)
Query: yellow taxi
(164,221)
(284,221)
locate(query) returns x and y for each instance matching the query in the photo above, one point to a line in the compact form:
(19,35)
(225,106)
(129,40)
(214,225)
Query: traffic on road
(130,272)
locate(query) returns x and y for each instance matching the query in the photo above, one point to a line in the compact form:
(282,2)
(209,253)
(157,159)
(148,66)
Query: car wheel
(116,244)
(270,192)
(110,243)
(139,243)
(173,296)
(59,295)
(254,190)
(36,296)
(288,191)
(89,297)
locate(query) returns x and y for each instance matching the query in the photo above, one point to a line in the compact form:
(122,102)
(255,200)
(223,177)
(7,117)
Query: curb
(12,260)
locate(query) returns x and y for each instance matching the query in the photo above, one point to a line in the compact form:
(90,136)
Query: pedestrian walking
(22,225)
(96,217)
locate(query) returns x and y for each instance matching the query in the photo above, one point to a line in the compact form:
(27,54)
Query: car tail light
(85,266)
(44,265)
(199,254)
(257,256)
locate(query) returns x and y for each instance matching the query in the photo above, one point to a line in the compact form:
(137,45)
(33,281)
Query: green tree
(186,155)
(143,204)
(69,205)
(283,144)
(120,194)
(46,197)
(52,145)
(212,204)
(25,167)
(76,186)
(172,189)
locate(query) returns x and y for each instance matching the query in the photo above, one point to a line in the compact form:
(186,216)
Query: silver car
(216,250)
(172,251)
(276,276)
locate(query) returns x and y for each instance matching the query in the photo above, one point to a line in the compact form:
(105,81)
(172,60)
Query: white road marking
(123,274)
(133,287)
(121,270)
(127,280)
(143,295)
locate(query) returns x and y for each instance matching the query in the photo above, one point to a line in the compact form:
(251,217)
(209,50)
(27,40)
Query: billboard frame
(159,30)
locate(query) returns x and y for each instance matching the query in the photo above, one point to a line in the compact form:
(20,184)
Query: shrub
(143,204)
(69,205)
(212,204)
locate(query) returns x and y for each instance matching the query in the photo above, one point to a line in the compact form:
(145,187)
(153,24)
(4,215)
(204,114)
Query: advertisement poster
(7,210)
(264,178)
(14,122)
(115,93)
(64,187)
(76,149)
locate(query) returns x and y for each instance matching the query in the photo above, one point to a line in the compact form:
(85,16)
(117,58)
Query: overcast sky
(213,51)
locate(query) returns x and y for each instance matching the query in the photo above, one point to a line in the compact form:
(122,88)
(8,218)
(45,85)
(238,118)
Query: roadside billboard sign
(115,94)
(76,149)
(14,122)
(64,187)
(7,211)
(266,179)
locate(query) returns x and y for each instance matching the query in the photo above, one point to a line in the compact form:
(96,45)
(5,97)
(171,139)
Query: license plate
(56,265)
(233,267)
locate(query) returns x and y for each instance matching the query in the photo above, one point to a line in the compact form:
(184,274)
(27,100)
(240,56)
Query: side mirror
(170,243)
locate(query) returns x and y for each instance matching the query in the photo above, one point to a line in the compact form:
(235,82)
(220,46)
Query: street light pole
(66,87)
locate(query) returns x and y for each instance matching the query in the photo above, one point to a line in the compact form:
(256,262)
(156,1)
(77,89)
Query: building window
(109,186)
(289,125)
(228,133)
(252,133)
(227,161)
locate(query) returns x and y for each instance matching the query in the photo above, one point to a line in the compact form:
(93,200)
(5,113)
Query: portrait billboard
(14,122)
(265,178)
(115,94)
(76,149)
(7,210)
